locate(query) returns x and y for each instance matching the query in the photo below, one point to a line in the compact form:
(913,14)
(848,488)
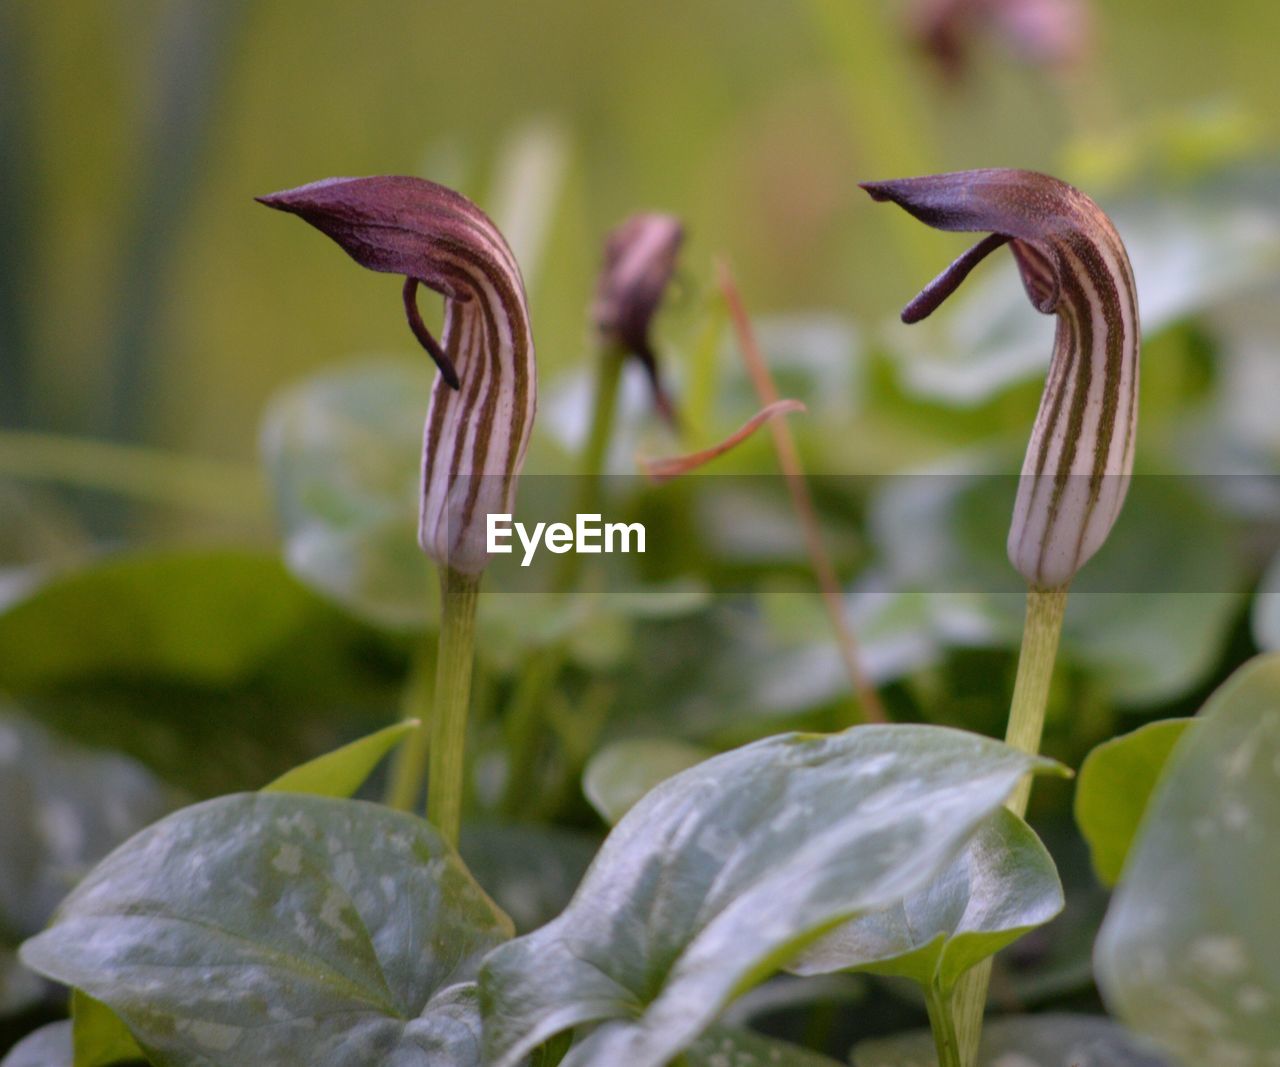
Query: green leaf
(98,1037)
(271,927)
(1028,1041)
(216,669)
(621,773)
(1002,885)
(1189,954)
(722,874)
(720,1046)
(1266,609)
(1115,785)
(342,772)
(50,1046)
(64,809)
(342,451)
(725,1046)
(729,1046)
(210,617)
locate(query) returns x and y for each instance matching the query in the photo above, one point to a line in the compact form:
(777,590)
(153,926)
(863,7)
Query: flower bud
(483,402)
(639,260)
(1073,265)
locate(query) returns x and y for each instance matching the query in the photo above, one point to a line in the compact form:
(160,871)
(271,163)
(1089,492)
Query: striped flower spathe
(483,402)
(1078,464)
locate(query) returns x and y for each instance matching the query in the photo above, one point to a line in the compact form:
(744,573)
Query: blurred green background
(167,383)
(147,298)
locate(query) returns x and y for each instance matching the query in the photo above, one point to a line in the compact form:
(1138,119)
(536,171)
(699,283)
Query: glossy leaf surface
(1032,1041)
(620,774)
(1189,954)
(267,928)
(1114,787)
(723,873)
(1002,885)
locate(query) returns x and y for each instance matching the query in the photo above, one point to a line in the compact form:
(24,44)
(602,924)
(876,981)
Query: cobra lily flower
(483,402)
(1073,265)
(639,260)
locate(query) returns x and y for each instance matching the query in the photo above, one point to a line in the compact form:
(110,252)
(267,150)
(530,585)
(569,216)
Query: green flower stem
(943,1024)
(453,693)
(405,786)
(1040,635)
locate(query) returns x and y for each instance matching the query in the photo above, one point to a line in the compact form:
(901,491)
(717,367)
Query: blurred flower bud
(639,260)
(1048,33)
(483,402)
(1074,265)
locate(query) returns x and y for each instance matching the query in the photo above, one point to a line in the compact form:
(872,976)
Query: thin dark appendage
(946,283)
(420,331)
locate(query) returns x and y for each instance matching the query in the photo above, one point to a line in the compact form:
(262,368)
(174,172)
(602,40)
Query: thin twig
(801,499)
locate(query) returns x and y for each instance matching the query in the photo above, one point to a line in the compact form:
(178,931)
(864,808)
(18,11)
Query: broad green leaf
(1266,609)
(1027,1041)
(47,786)
(273,927)
(722,874)
(210,617)
(50,1046)
(65,808)
(342,451)
(216,669)
(1002,885)
(729,1046)
(789,993)
(98,1037)
(621,773)
(529,869)
(342,772)
(725,1046)
(1189,954)
(1115,784)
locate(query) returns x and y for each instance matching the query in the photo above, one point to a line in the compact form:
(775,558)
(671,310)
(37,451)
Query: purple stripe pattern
(483,402)
(1074,266)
